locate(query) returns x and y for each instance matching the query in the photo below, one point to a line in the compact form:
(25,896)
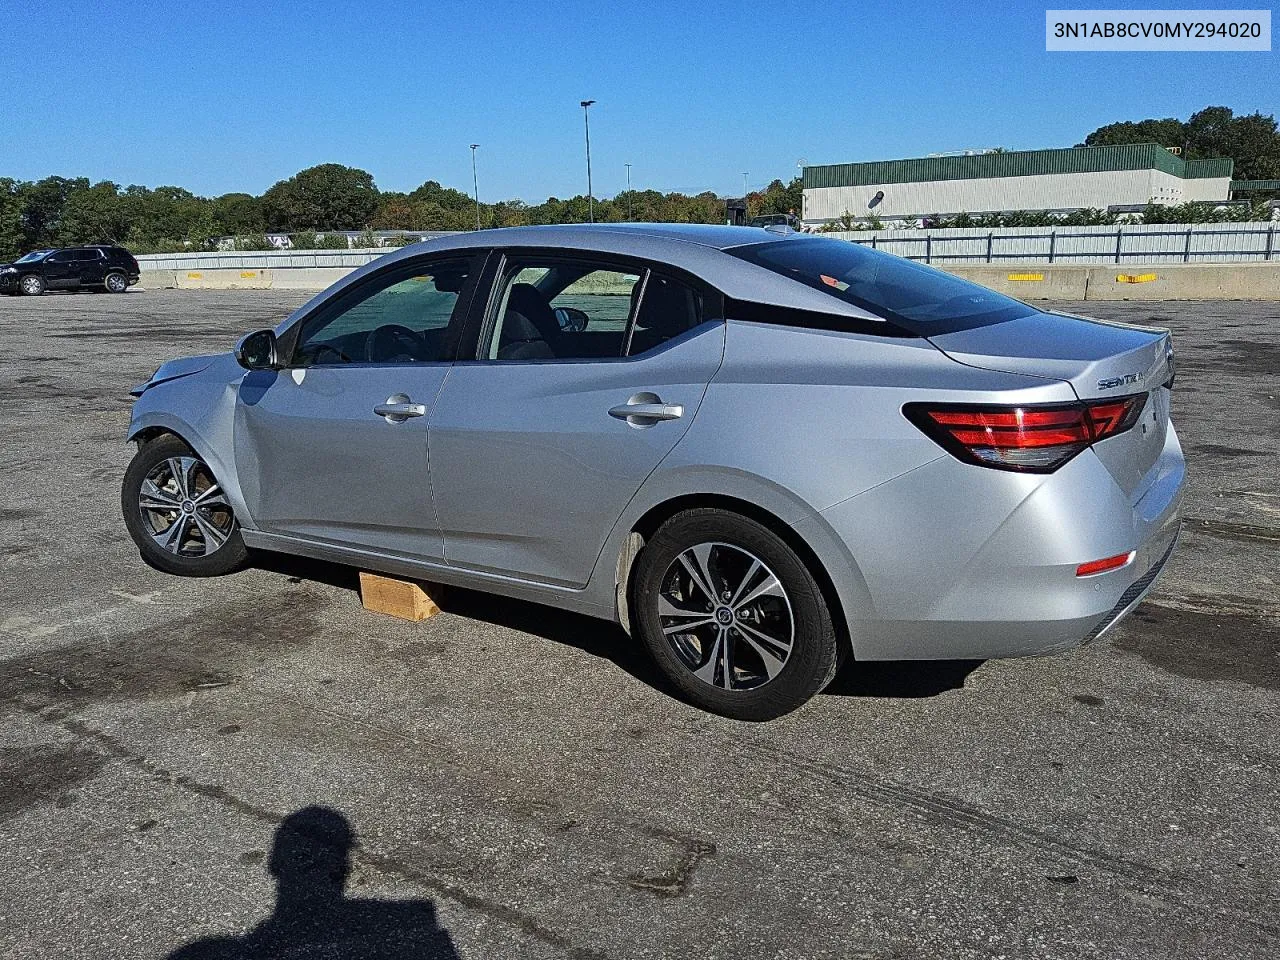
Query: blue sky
(221,97)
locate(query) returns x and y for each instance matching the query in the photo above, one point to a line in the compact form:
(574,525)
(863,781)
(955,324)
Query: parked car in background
(761,453)
(95,267)
(776,220)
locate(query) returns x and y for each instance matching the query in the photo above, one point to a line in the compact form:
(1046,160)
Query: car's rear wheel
(178,513)
(732,615)
(116,283)
(32,285)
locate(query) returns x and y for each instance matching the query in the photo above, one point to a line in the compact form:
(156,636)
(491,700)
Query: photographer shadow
(313,917)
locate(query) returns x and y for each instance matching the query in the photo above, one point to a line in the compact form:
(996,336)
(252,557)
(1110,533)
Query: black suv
(97,267)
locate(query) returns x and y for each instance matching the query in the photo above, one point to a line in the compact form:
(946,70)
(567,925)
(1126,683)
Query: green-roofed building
(1061,180)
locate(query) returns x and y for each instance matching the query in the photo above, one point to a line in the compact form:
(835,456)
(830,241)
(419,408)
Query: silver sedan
(762,453)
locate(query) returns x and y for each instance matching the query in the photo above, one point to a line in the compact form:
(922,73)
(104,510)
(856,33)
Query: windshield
(33,255)
(920,299)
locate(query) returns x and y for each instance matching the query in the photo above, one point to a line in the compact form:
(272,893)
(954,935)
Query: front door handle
(399,408)
(646,409)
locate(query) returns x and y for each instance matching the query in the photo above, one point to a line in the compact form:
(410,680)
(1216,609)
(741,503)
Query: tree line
(62,211)
(1251,140)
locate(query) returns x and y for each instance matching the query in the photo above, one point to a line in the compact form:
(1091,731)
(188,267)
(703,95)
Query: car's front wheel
(116,283)
(178,513)
(32,285)
(732,615)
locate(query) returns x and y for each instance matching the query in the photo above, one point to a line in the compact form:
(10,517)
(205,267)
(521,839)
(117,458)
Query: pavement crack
(1161,885)
(1227,530)
(690,851)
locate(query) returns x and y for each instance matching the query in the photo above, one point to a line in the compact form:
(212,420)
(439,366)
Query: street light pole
(800,165)
(745,191)
(475,183)
(586,125)
(629,216)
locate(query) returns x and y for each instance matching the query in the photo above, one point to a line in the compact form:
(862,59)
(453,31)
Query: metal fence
(1125,243)
(261,259)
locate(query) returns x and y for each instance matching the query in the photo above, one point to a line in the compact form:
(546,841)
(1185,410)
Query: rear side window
(667,309)
(561,309)
(566,308)
(920,299)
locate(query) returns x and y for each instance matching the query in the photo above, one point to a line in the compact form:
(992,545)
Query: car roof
(712,235)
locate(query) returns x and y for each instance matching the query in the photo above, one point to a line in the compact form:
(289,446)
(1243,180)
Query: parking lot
(518,782)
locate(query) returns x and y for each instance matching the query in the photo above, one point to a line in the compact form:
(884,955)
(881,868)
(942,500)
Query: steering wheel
(393,341)
(320,349)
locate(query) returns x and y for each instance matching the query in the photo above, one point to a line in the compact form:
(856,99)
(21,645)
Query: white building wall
(1060,191)
(1207,188)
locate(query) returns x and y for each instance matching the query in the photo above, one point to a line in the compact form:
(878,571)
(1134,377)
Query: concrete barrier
(1217,281)
(223,279)
(310,278)
(1193,281)
(1029,282)
(296,278)
(1234,281)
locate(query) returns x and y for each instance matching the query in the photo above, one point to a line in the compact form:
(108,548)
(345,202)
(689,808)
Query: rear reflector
(1029,439)
(1105,564)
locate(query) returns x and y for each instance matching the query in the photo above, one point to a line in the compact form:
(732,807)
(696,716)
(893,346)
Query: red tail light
(1105,564)
(1031,439)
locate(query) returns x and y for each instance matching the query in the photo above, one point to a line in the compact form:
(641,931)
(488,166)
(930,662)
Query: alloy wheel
(727,616)
(116,283)
(184,510)
(32,286)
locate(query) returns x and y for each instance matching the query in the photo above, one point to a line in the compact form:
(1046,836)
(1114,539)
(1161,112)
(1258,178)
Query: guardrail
(1124,243)
(262,259)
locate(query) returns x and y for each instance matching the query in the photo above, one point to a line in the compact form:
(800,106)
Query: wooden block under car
(397,598)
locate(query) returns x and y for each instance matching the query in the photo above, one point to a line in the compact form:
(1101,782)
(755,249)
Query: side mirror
(571,319)
(257,350)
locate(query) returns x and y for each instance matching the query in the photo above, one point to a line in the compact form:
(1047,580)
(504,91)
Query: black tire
(814,649)
(116,282)
(144,525)
(32,285)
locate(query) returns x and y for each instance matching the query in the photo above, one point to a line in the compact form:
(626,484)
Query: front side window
(579,310)
(408,315)
(920,299)
(61,256)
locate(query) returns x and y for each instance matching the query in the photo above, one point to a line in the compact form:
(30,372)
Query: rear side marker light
(1105,565)
(1035,438)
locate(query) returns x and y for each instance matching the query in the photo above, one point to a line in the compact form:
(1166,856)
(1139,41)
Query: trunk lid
(1100,359)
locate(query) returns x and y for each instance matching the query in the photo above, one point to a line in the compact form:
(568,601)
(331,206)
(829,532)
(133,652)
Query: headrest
(527,299)
(516,326)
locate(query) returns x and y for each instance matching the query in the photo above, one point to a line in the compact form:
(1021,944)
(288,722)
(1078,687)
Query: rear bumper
(964,562)
(1133,596)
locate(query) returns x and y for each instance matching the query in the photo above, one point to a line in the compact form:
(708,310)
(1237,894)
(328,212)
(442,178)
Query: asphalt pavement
(255,766)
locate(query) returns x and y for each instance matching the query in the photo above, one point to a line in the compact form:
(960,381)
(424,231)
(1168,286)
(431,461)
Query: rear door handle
(646,412)
(399,408)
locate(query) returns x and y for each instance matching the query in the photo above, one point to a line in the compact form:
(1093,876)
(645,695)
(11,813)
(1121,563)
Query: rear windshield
(917,298)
